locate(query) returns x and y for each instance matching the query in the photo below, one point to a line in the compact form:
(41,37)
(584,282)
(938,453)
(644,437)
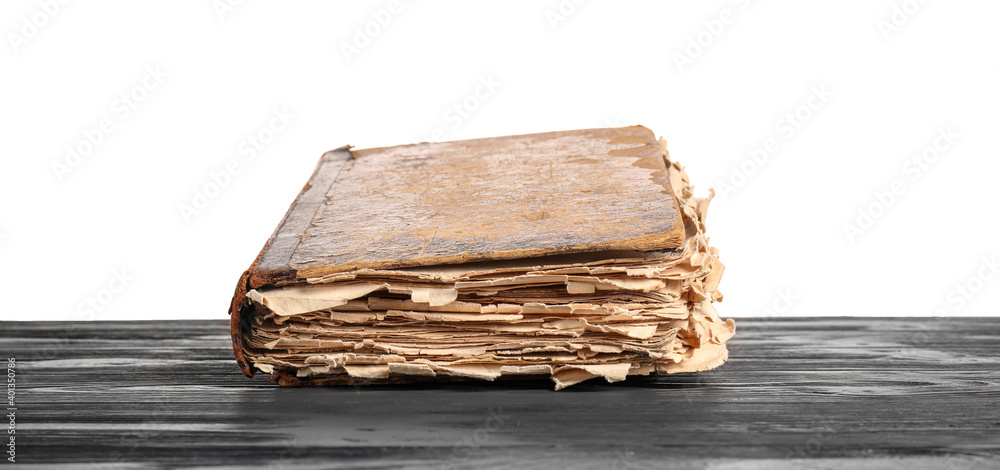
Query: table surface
(796,393)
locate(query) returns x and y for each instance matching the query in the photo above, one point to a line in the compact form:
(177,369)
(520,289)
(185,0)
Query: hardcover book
(571,255)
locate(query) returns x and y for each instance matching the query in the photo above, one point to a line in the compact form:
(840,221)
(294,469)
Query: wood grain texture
(495,198)
(796,393)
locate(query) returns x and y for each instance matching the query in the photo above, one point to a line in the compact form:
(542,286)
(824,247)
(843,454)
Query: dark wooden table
(796,393)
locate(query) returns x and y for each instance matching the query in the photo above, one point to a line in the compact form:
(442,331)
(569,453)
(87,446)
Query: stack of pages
(571,255)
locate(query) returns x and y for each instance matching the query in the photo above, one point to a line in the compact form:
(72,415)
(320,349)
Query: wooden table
(796,393)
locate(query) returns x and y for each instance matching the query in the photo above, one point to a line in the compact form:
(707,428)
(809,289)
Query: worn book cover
(570,255)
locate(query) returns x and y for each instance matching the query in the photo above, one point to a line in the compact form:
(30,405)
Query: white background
(896,79)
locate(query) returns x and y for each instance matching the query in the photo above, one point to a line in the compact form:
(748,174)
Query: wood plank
(796,393)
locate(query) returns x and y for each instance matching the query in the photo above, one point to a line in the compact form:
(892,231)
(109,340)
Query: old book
(570,255)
